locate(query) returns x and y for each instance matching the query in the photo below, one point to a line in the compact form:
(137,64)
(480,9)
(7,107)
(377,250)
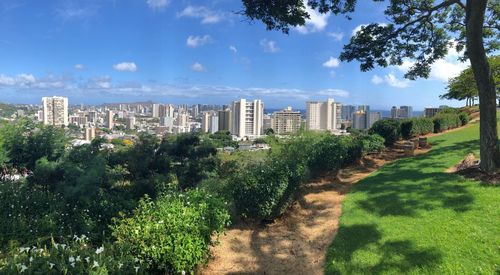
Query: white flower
(23,268)
(23,249)
(72,264)
(71,259)
(99,250)
(51,265)
(136,260)
(87,259)
(136,269)
(183,272)
(63,246)
(96,264)
(120,265)
(78,258)
(31,259)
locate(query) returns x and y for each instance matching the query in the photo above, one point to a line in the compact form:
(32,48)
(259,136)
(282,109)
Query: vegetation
(412,217)
(414,127)
(389,129)
(421,31)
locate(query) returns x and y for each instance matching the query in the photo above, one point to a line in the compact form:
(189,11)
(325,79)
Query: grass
(411,217)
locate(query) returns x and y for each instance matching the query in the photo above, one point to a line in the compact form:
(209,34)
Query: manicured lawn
(411,217)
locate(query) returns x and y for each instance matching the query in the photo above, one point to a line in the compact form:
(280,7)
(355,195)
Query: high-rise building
(55,110)
(165,110)
(205,122)
(156,110)
(89,133)
(130,122)
(286,121)
(371,118)
(109,119)
(359,120)
(225,120)
(323,116)
(247,118)
(347,112)
(430,112)
(394,112)
(405,112)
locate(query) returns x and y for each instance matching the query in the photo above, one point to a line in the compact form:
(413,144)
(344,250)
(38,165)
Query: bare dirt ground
(296,243)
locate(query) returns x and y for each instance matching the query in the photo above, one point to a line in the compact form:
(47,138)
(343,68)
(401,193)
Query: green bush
(389,129)
(372,143)
(174,232)
(71,257)
(414,127)
(464,118)
(265,190)
(446,121)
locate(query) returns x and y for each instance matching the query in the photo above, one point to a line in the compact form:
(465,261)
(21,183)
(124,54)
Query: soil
(296,243)
(469,168)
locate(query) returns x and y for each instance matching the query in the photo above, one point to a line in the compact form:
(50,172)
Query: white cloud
(358,28)
(331,63)
(79,67)
(337,36)
(269,46)
(197,41)
(207,16)
(125,67)
(233,49)
(316,23)
(158,4)
(197,67)
(391,80)
(334,92)
(377,80)
(442,69)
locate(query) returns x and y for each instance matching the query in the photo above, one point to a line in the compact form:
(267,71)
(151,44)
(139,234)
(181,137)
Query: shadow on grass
(417,184)
(359,249)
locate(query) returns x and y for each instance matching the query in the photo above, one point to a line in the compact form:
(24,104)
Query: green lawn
(410,217)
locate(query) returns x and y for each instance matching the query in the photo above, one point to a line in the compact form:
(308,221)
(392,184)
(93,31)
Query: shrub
(372,143)
(174,232)
(389,129)
(416,126)
(71,257)
(464,118)
(265,190)
(445,121)
(333,153)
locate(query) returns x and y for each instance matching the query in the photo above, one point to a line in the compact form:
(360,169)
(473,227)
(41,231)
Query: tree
(464,86)
(418,30)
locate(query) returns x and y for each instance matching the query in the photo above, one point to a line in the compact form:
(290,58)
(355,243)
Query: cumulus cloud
(125,67)
(331,62)
(197,67)
(316,23)
(442,69)
(269,46)
(79,67)
(104,85)
(233,49)
(337,36)
(206,15)
(333,93)
(391,80)
(198,41)
(158,4)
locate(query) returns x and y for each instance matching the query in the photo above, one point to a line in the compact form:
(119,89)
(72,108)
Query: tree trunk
(489,150)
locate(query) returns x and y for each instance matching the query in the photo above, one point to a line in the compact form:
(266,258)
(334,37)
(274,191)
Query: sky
(187,52)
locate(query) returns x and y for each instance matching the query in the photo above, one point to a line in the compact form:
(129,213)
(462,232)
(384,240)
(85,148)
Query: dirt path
(296,243)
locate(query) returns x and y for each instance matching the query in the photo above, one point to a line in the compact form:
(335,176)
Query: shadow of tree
(400,256)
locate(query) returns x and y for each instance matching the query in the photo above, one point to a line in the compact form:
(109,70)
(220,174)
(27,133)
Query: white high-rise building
(130,122)
(323,116)
(55,111)
(247,118)
(209,122)
(109,119)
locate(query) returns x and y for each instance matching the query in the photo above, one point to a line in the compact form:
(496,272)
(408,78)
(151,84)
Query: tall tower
(247,118)
(55,110)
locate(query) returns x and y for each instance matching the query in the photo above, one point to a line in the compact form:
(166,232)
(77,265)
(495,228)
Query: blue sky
(96,51)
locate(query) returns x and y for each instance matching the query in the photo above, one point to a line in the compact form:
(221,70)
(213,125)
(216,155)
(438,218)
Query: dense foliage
(389,129)
(173,233)
(372,143)
(414,127)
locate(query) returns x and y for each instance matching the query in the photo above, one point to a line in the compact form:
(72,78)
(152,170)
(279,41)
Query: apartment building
(286,121)
(247,118)
(55,111)
(323,115)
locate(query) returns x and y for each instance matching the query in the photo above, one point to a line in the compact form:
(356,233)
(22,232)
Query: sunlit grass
(411,217)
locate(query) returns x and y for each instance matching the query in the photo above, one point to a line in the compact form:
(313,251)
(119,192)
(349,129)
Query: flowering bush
(174,232)
(73,257)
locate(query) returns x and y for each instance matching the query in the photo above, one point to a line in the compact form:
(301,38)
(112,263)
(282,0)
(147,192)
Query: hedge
(389,129)
(445,121)
(414,127)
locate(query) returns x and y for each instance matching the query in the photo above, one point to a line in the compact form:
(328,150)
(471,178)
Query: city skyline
(178,52)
